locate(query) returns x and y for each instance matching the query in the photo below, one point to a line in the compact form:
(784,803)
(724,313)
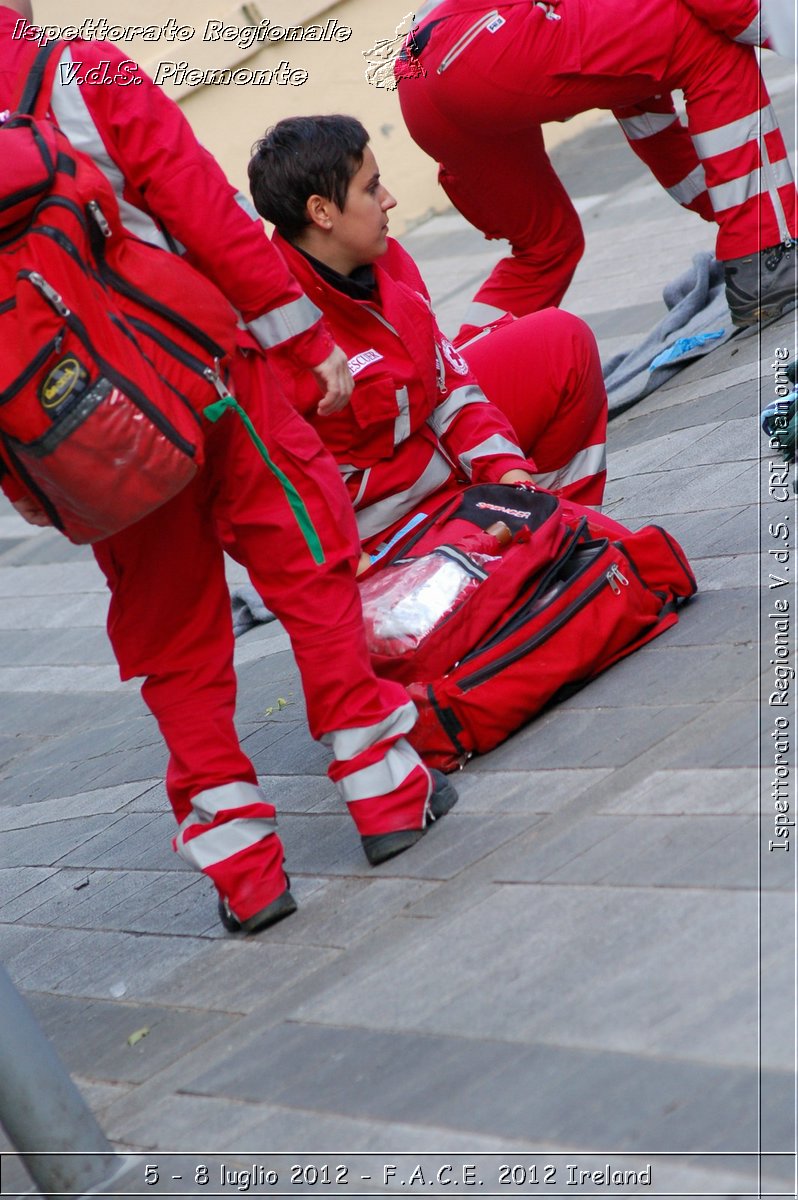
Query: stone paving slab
(557,983)
(717,790)
(570,1095)
(107,1055)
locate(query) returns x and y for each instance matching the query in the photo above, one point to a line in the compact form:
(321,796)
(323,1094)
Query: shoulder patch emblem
(456,362)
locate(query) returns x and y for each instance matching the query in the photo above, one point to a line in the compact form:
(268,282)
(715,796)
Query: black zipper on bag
(124,328)
(107,278)
(61,239)
(64,202)
(165,342)
(537,588)
(471,681)
(32,486)
(31,369)
(125,288)
(112,374)
(46,202)
(421,529)
(36,189)
(178,352)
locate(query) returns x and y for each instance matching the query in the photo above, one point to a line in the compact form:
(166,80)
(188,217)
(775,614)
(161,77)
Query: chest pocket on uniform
(371,425)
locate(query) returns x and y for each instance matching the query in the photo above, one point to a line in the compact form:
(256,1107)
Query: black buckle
(417,39)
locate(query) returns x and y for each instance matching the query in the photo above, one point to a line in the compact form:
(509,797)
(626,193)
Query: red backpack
(485,635)
(110,348)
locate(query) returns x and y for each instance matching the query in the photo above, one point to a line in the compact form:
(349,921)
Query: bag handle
(37,86)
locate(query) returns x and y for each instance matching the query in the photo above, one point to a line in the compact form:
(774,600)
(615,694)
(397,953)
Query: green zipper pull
(228,403)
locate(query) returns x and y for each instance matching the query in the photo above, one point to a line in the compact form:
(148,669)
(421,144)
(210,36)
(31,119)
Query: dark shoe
(761,286)
(283,906)
(379,847)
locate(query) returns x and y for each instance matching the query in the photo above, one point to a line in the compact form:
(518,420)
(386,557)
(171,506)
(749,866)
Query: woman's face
(360,229)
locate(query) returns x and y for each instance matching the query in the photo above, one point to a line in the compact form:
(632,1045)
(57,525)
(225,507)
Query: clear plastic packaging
(403,604)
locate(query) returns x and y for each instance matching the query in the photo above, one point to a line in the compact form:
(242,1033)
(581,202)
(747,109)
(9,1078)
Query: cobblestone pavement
(592,955)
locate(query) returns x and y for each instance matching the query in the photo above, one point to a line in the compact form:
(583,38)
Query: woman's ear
(320,212)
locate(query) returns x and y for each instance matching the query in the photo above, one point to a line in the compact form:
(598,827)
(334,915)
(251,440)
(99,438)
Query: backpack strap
(37,87)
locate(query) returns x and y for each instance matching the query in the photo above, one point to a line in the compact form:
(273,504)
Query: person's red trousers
(479,89)
(170,621)
(543,371)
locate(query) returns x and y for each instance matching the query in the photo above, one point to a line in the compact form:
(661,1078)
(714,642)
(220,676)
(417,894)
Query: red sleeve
(170,175)
(472,431)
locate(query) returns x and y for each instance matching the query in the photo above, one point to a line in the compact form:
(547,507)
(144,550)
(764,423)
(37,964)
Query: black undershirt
(361,284)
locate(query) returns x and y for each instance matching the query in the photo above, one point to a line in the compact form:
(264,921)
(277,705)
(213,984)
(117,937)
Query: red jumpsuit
(170,618)
(476,83)
(419,424)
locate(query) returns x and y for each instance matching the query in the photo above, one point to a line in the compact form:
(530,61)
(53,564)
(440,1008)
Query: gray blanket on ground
(697,321)
(248,608)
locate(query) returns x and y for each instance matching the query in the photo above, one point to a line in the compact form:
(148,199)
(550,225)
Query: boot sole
(283,906)
(379,847)
(761,315)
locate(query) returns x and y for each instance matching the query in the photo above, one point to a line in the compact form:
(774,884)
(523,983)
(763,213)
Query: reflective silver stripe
(492,445)
(443,415)
(773,181)
(476,337)
(441,372)
(478,313)
(590,461)
(465,41)
(752,36)
(382,777)
(378,516)
(382,320)
(690,187)
(207,804)
(222,841)
(249,208)
(348,743)
(284,322)
(401,426)
(646,125)
(363,485)
(72,114)
(736,134)
(737,191)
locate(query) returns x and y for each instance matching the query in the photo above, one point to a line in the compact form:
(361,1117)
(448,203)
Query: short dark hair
(301,157)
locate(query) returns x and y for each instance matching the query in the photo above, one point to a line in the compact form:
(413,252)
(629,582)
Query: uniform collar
(360,284)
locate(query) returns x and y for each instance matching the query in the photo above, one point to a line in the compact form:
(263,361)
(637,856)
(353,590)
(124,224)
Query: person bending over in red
(476,82)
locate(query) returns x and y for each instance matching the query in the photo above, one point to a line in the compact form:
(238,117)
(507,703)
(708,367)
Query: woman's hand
(335,377)
(517,476)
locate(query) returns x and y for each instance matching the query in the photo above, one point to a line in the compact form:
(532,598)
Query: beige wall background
(228,118)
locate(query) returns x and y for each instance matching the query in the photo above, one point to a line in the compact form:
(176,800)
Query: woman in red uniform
(525,401)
